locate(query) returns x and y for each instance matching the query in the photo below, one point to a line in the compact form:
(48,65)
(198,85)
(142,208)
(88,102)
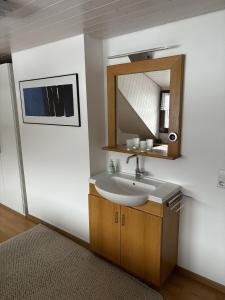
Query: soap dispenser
(111,168)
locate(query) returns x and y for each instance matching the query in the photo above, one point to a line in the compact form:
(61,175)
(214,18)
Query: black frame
(78,100)
(162,129)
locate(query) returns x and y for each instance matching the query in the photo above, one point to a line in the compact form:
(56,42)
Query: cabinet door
(141,244)
(104,218)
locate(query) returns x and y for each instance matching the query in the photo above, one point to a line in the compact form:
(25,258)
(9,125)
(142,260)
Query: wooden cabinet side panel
(170,231)
(141,244)
(104,223)
(93,191)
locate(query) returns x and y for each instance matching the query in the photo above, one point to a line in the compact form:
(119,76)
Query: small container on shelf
(130,144)
(136,143)
(143,146)
(149,144)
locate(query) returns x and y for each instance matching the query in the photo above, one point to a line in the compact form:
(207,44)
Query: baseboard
(66,234)
(11,210)
(217,286)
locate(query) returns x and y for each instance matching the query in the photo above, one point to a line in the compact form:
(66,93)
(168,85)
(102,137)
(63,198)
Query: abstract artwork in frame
(51,100)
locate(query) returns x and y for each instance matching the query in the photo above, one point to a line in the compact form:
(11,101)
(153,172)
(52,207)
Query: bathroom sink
(126,190)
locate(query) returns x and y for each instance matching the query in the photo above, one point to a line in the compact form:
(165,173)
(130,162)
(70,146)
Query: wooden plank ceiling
(35,22)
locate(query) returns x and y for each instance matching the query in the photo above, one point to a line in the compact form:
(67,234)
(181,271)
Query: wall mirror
(144,107)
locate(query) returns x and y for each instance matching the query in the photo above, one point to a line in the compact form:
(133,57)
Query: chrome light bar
(143,54)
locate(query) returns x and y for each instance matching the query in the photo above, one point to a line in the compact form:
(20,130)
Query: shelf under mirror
(152,153)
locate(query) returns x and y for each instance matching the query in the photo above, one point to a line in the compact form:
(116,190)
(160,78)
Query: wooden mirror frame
(176,66)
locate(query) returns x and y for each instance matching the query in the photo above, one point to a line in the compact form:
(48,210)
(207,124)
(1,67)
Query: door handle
(123,220)
(116,217)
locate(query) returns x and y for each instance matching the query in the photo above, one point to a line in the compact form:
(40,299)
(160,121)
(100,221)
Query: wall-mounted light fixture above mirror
(145,103)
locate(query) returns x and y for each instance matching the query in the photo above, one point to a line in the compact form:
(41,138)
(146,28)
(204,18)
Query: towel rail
(179,208)
(172,200)
(175,202)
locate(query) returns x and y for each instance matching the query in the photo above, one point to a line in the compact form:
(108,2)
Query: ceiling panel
(75,15)
(36,22)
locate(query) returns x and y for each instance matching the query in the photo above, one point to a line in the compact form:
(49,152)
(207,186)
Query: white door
(10,176)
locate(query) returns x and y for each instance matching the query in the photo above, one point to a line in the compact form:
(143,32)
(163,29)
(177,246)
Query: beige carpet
(42,264)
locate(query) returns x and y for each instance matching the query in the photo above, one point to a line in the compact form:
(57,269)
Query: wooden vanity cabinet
(142,240)
(105,228)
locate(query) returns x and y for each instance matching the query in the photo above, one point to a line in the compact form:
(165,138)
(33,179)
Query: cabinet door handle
(116,217)
(123,220)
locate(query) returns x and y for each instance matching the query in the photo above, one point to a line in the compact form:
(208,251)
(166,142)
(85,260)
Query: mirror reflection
(142,110)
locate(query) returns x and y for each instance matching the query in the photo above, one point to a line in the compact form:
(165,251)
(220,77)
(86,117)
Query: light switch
(221,179)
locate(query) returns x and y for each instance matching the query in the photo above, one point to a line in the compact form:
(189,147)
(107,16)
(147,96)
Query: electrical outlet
(221,179)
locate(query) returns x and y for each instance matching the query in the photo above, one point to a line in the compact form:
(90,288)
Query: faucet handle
(139,174)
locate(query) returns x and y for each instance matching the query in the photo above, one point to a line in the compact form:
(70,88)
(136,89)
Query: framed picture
(51,100)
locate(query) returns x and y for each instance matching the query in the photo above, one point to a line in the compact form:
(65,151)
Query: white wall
(56,158)
(11,192)
(202,225)
(96,103)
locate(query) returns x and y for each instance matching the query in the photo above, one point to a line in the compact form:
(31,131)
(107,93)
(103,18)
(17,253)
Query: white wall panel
(10,180)
(56,158)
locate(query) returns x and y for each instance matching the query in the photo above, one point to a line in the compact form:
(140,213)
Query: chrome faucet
(138,173)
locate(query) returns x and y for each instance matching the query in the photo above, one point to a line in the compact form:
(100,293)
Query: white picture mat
(44,82)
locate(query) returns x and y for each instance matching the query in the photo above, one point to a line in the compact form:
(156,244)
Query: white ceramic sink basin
(126,190)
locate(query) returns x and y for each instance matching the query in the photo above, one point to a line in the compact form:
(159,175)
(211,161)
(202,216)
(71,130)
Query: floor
(12,224)
(178,287)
